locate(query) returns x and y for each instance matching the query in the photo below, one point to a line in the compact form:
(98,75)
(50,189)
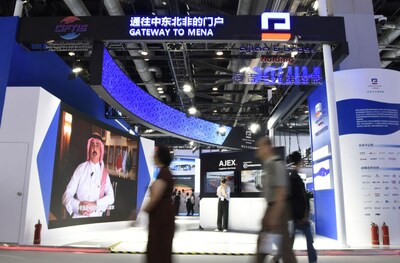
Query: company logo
(275,26)
(227,162)
(318,109)
(70,28)
(374,81)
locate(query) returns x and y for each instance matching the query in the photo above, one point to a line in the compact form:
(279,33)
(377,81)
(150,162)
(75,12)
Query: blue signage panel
(324,194)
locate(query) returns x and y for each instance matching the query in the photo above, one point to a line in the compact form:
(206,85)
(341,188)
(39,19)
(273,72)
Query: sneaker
(225,230)
(216,230)
(274,260)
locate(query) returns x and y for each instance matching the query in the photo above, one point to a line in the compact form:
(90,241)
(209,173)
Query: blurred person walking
(161,211)
(275,188)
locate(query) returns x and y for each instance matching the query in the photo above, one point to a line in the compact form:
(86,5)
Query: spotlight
(254,127)
(219,53)
(221,130)
(192,110)
(71,53)
(144,53)
(76,70)
(187,87)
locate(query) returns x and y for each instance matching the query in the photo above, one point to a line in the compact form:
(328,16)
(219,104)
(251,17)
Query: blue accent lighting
(151,110)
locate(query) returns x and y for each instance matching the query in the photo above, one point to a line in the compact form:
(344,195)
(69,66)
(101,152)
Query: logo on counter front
(70,28)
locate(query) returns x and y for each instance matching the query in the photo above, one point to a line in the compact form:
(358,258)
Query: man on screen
(89,192)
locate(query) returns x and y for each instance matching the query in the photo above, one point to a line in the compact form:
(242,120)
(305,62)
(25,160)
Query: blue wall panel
(143,178)
(45,166)
(8,25)
(325,213)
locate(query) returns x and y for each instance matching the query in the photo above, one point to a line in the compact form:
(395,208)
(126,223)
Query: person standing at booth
(224,194)
(275,188)
(161,211)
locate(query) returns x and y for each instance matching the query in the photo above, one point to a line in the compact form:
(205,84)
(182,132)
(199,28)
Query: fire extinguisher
(385,234)
(375,234)
(38,229)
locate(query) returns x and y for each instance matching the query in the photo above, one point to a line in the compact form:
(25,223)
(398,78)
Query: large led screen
(95,172)
(213,180)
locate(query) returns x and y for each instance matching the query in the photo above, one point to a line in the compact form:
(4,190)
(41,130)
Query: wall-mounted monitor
(83,190)
(213,180)
(250,181)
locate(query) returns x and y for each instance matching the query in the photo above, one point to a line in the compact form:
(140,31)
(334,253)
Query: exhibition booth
(46,119)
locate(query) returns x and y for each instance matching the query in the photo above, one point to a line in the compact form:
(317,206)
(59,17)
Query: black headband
(96,136)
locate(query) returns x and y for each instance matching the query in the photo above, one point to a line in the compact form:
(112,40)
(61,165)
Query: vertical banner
(324,195)
(368,115)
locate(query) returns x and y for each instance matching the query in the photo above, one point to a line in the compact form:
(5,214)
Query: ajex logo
(275,26)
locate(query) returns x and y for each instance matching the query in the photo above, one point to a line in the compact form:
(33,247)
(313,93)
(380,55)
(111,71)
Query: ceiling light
(215,89)
(144,52)
(146,59)
(294,53)
(306,111)
(164,2)
(191,143)
(161,91)
(254,127)
(215,111)
(187,87)
(221,130)
(159,88)
(244,69)
(273,88)
(219,53)
(77,69)
(192,110)
(315,5)
(71,53)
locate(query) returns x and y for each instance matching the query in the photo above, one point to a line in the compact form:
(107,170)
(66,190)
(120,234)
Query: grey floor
(190,245)
(63,257)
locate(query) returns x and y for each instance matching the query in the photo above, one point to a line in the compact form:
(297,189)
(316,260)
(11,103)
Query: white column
(334,134)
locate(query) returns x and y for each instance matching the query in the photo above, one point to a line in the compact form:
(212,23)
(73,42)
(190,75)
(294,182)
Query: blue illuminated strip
(153,111)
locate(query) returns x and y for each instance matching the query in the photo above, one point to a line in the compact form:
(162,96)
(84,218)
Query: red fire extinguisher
(38,229)
(385,234)
(375,234)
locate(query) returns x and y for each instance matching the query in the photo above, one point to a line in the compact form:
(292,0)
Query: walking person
(161,211)
(275,188)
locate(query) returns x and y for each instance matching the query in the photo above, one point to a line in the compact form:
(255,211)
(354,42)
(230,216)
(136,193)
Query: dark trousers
(306,229)
(223,212)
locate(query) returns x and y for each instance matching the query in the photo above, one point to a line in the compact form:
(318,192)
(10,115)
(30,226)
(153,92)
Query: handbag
(270,243)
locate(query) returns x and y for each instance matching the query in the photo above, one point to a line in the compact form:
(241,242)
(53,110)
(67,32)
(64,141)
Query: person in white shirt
(89,192)
(223,193)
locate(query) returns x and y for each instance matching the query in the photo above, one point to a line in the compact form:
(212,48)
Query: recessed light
(192,110)
(77,69)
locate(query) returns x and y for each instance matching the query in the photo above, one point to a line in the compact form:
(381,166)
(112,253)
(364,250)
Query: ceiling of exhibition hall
(210,68)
